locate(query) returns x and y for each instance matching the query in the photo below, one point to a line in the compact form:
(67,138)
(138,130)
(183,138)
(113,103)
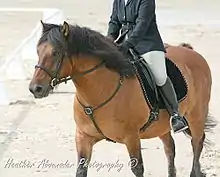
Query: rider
(136,20)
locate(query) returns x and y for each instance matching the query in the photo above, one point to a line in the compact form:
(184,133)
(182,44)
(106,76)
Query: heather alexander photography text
(47,164)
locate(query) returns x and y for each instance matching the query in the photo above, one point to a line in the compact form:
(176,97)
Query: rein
(57,81)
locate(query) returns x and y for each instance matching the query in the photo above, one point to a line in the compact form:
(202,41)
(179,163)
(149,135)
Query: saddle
(149,88)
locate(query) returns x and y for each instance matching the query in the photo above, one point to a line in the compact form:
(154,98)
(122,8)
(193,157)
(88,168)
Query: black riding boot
(177,122)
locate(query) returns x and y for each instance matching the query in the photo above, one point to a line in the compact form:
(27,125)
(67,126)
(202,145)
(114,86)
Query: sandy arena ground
(43,130)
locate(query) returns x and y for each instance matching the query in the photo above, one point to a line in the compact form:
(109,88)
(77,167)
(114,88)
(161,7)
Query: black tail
(210,125)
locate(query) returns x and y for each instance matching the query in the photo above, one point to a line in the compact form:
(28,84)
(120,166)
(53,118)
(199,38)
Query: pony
(109,102)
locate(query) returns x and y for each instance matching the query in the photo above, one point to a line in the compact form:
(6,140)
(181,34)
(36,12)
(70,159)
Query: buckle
(53,82)
(88,110)
(154,114)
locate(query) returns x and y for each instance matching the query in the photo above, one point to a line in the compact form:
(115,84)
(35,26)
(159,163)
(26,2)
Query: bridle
(89,110)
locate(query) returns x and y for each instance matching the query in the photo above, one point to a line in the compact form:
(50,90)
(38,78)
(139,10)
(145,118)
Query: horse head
(54,65)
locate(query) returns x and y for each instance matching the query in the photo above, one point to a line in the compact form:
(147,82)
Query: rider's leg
(156,62)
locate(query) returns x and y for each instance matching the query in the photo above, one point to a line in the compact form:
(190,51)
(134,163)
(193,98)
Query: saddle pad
(148,89)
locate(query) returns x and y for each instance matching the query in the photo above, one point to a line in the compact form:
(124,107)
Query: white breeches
(156,62)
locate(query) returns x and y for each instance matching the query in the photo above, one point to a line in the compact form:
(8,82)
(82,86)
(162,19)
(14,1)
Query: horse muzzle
(39,91)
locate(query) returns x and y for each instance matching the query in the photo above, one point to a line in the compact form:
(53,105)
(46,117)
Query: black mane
(83,40)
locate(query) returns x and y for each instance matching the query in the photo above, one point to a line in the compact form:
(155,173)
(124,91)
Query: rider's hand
(111,38)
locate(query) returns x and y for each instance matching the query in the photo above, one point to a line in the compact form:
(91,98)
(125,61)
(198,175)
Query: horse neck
(95,87)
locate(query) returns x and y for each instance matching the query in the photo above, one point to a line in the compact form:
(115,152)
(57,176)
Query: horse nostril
(38,89)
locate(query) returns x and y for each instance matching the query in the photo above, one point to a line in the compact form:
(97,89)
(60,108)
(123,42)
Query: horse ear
(46,27)
(42,22)
(65,29)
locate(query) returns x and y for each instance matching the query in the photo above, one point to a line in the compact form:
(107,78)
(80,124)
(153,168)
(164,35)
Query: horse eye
(56,53)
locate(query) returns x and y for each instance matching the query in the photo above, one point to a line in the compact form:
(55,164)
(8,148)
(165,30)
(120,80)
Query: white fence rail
(19,64)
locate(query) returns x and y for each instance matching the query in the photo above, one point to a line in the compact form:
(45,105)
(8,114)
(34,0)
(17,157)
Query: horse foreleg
(133,145)
(84,145)
(169,148)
